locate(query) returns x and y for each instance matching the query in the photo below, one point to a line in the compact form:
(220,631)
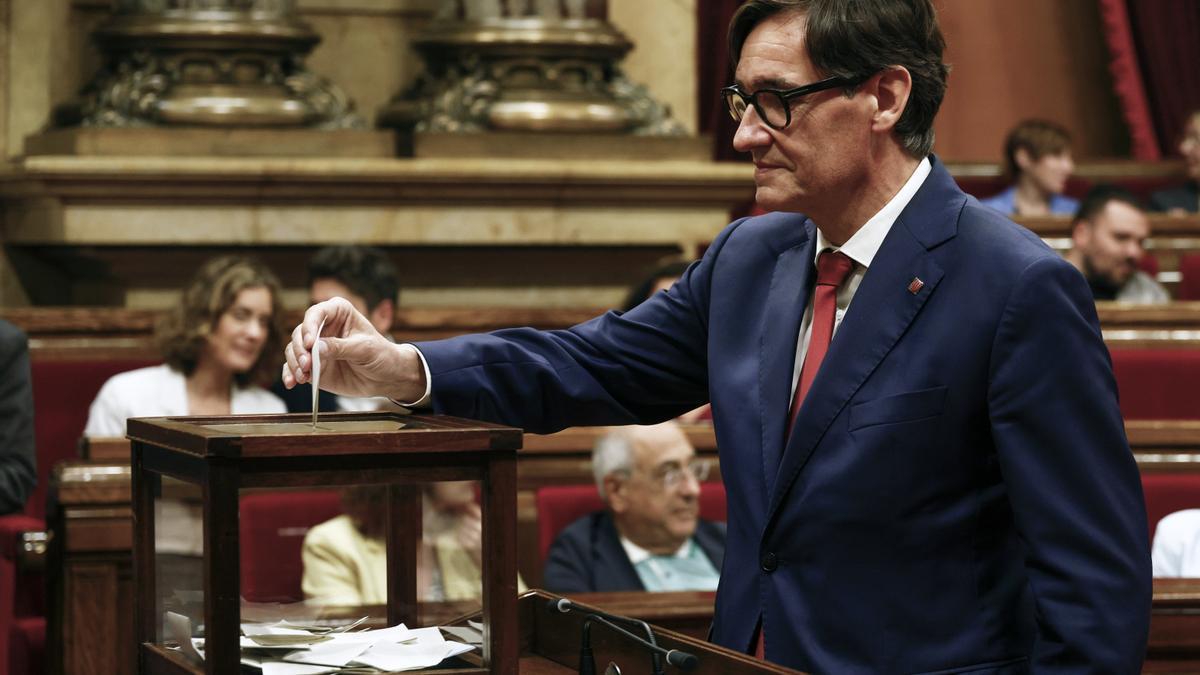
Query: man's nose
(689,484)
(751,132)
(1136,251)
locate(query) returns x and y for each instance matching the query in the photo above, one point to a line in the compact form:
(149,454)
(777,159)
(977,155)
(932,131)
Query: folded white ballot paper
(284,648)
(316,373)
(389,649)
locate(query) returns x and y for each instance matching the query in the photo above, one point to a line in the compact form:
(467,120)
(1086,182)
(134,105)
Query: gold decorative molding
(218,63)
(332,7)
(548,67)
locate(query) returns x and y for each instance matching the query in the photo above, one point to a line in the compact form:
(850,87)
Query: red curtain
(1168,33)
(714,72)
(1159,43)
(1127,79)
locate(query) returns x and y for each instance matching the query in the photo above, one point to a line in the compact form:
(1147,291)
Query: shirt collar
(638,554)
(862,246)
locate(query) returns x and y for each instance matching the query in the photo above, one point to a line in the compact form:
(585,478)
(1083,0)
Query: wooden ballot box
(216,457)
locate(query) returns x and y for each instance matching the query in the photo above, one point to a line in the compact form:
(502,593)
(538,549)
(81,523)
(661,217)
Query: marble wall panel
(664,56)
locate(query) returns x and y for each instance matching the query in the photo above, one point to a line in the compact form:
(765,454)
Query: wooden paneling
(107,333)
(1014,59)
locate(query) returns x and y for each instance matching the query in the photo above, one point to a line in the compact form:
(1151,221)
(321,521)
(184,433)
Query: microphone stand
(587,664)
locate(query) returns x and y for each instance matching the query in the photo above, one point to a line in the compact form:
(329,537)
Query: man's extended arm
(644,366)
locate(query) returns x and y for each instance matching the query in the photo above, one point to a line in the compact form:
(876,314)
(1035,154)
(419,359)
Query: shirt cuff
(422,402)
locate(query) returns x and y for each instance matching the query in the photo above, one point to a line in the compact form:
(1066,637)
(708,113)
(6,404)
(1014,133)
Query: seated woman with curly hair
(219,344)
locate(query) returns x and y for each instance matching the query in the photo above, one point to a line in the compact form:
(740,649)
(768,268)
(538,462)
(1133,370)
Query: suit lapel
(612,570)
(791,285)
(882,309)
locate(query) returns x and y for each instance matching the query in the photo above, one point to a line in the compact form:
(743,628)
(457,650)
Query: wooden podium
(222,455)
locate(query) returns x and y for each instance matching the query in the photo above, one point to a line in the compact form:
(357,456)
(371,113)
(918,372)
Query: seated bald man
(650,537)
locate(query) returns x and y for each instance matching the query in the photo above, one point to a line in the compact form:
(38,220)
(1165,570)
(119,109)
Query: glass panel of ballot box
(263,544)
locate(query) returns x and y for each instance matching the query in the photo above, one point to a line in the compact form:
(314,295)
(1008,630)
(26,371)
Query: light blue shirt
(1006,203)
(688,569)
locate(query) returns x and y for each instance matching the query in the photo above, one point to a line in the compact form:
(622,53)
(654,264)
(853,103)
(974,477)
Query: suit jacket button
(769,562)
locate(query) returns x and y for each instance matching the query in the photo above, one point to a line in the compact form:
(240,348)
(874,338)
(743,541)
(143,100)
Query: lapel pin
(915,285)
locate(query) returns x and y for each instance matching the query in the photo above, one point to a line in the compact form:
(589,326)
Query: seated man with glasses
(651,536)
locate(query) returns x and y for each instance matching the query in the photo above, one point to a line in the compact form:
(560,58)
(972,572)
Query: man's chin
(685,527)
(768,199)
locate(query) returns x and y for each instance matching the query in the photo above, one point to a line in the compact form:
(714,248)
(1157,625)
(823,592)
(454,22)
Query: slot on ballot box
(223,506)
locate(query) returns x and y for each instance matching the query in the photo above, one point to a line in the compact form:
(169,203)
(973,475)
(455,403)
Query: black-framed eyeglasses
(774,105)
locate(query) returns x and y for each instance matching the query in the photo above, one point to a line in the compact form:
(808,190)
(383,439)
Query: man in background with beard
(1108,237)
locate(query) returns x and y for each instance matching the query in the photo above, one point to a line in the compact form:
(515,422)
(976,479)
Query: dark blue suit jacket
(958,493)
(587,556)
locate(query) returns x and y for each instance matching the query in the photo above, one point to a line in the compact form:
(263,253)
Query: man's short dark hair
(858,38)
(1098,197)
(365,270)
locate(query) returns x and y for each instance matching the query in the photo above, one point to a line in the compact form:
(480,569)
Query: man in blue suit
(925,464)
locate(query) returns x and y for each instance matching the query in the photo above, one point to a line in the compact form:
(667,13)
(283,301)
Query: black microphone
(682,660)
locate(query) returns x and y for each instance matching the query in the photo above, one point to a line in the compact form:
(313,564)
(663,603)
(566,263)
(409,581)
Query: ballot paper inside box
(197,479)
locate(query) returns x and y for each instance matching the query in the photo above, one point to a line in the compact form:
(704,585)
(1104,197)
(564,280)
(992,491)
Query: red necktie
(832,269)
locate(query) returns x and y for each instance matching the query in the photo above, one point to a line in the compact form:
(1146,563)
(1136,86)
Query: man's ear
(383,316)
(891,89)
(1081,234)
(614,491)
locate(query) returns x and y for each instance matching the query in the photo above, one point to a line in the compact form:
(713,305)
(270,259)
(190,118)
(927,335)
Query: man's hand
(355,359)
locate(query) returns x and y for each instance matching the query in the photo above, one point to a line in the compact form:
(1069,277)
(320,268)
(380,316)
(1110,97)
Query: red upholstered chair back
(1158,384)
(1189,282)
(1149,264)
(981,187)
(1167,493)
(273,525)
(62,393)
(560,505)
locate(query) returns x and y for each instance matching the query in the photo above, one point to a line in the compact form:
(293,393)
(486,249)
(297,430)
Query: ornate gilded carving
(208,62)
(526,65)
